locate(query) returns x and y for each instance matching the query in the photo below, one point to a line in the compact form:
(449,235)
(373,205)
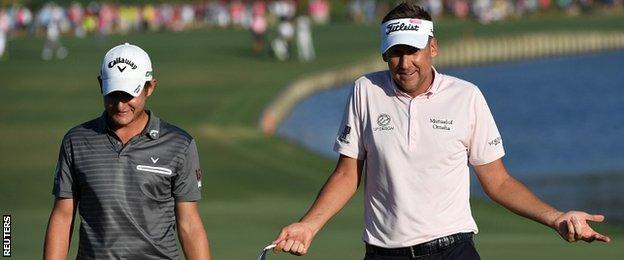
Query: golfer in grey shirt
(134,178)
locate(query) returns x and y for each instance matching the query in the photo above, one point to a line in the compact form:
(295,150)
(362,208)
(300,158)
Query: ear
(151,86)
(433,45)
(99,78)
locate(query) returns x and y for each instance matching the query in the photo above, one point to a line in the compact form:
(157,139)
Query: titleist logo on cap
(399,26)
(403,26)
(121,60)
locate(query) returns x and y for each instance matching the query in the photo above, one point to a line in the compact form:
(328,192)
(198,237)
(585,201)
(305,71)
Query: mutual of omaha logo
(383,123)
(441,124)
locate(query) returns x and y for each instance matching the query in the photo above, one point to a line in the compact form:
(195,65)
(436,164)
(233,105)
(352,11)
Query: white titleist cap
(409,31)
(125,68)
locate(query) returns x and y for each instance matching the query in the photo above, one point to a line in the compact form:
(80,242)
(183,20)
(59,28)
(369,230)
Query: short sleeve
(65,183)
(486,144)
(187,182)
(349,142)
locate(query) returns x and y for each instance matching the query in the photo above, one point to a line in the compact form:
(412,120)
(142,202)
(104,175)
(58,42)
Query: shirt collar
(153,126)
(152,130)
(433,88)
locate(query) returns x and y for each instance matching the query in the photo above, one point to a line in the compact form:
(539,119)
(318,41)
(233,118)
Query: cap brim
(130,86)
(415,40)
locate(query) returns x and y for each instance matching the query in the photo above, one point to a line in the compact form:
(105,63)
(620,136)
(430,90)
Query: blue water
(558,116)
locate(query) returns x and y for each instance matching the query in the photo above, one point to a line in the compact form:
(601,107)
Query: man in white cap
(133,177)
(417,130)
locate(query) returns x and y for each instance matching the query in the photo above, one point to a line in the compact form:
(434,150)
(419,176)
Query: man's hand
(295,238)
(572,226)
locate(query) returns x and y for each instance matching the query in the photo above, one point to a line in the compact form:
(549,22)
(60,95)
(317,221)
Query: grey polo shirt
(126,194)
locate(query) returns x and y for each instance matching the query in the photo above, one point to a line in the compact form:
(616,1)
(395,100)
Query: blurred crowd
(106,18)
(485,11)
(291,20)
(102,18)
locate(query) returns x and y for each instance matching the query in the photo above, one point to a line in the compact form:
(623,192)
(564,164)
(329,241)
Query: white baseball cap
(125,68)
(408,31)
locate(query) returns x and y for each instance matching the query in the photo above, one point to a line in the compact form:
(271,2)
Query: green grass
(211,84)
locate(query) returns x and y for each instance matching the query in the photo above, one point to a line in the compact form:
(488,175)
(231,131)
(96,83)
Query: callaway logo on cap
(125,68)
(407,31)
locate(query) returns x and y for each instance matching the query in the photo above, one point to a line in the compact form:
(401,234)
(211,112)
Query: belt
(426,248)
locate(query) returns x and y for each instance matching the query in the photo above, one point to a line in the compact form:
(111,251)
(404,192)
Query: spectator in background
(461,8)
(319,11)
(187,16)
(53,18)
(305,44)
(76,15)
(237,13)
(258,25)
(217,14)
(435,7)
(150,20)
(22,18)
(544,4)
(356,11)
(106,19)
(4,29)
(281,44)
(285,11)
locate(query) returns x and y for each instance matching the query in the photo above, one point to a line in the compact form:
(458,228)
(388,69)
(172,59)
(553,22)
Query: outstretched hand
(295,239)
(573,226)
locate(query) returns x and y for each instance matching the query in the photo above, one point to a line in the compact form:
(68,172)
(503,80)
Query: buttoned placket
(120,148)
(413,130)
(412,103)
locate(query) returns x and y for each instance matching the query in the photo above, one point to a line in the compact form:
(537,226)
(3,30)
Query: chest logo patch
(441,124)
(153,169)
(154,160)
(383,123)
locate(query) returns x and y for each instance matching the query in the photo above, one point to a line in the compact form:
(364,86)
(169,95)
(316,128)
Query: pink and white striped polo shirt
(417,152)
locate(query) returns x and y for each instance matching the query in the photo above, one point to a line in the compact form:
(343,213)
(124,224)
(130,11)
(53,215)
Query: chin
(121,121)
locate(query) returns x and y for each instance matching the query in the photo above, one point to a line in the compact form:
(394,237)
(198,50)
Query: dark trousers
(463,250)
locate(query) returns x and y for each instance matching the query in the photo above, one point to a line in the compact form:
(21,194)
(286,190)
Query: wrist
(552,218)
(312,226)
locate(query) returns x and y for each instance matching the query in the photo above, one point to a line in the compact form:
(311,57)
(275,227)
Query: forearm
(336,192)
(192,234)
(195,243)
(516,197)
(58,235)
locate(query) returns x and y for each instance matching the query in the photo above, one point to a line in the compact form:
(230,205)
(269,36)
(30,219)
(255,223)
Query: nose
(404,61)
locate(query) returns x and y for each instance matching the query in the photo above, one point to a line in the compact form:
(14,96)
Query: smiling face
(411,68)
(126,111)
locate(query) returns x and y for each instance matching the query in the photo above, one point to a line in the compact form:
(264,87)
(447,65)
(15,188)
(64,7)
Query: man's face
(123,109)
(411,67)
